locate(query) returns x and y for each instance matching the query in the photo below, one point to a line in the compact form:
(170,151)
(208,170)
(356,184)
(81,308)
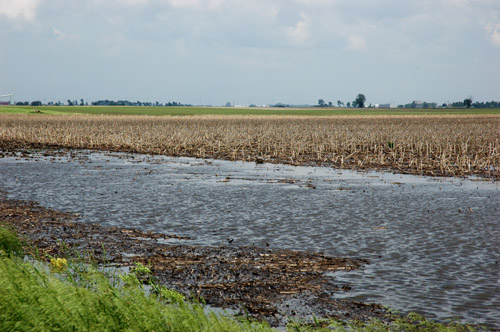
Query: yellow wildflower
(58,263)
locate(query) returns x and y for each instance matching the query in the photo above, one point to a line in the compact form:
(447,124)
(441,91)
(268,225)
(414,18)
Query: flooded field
(433,243)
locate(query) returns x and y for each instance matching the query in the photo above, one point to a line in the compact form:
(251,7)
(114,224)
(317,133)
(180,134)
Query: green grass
(32,298)
(9,242)
(186,111)
(72,295)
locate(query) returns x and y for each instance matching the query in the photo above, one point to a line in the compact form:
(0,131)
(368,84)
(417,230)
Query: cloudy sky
(250,51)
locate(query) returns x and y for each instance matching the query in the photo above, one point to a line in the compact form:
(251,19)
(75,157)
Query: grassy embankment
(69,295)
(451,145)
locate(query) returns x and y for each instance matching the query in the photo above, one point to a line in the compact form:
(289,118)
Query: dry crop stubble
(432,145)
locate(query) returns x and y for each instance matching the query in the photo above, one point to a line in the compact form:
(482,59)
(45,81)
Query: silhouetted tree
(468,102)
(359,101)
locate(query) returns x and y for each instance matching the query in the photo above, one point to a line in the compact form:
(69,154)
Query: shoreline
(271,285)
(12,149)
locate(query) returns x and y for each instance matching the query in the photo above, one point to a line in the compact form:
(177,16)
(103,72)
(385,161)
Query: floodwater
(433,243)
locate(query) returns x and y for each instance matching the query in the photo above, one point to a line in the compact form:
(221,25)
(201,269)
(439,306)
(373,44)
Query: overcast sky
(250,51)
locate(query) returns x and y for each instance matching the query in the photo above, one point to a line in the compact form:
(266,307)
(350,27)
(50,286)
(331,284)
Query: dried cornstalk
(433,145)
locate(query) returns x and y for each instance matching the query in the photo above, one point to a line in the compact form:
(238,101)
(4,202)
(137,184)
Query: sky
(250,51)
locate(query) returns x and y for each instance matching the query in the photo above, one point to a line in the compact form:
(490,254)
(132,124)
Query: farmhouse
(4,102)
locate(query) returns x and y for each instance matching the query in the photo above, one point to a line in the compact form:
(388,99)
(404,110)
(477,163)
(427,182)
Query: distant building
(384,106)
(418,104)
(4,102)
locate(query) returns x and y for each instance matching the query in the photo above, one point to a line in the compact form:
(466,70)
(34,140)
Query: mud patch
(274,285)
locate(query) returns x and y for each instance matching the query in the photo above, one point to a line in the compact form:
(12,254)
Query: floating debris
(259,281)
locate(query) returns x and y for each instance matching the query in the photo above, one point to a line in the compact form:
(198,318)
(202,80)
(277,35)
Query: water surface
(433,243)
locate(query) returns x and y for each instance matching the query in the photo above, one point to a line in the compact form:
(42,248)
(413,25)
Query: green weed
(9,242)
(69,294)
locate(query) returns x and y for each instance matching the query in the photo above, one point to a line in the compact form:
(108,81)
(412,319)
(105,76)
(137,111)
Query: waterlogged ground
(433,243)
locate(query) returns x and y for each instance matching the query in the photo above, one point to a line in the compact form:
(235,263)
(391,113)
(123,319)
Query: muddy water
(433,243)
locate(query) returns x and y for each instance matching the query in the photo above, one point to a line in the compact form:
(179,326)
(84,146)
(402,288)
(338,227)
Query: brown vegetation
(431,145)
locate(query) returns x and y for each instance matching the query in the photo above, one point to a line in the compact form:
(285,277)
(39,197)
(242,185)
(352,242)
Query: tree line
(106,102)
(358,102)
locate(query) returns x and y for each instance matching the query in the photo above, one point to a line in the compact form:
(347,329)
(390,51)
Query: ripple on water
(433,243)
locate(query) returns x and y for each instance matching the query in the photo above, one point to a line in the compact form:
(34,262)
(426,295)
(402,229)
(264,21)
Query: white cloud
(200,4)
(231,7)
(99,3)
(491,25)
(299,34)
(195,4)
(64,36)
(19,9)
(494,33)
(133,2)
(273,38)
(320,3)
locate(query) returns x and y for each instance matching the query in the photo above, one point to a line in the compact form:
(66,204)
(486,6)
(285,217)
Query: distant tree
(81,102)
(330,104)
(70,103)
(36,103)
(468,102)
(340,103)
(348,104)
(488,104)
(321,103)
(359,101)
(458,104)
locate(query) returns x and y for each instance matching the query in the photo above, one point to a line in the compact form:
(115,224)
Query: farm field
(389,216)
(449,145)
(187,111)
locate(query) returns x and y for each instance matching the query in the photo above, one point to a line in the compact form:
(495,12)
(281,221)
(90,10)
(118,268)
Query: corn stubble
(431,145)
